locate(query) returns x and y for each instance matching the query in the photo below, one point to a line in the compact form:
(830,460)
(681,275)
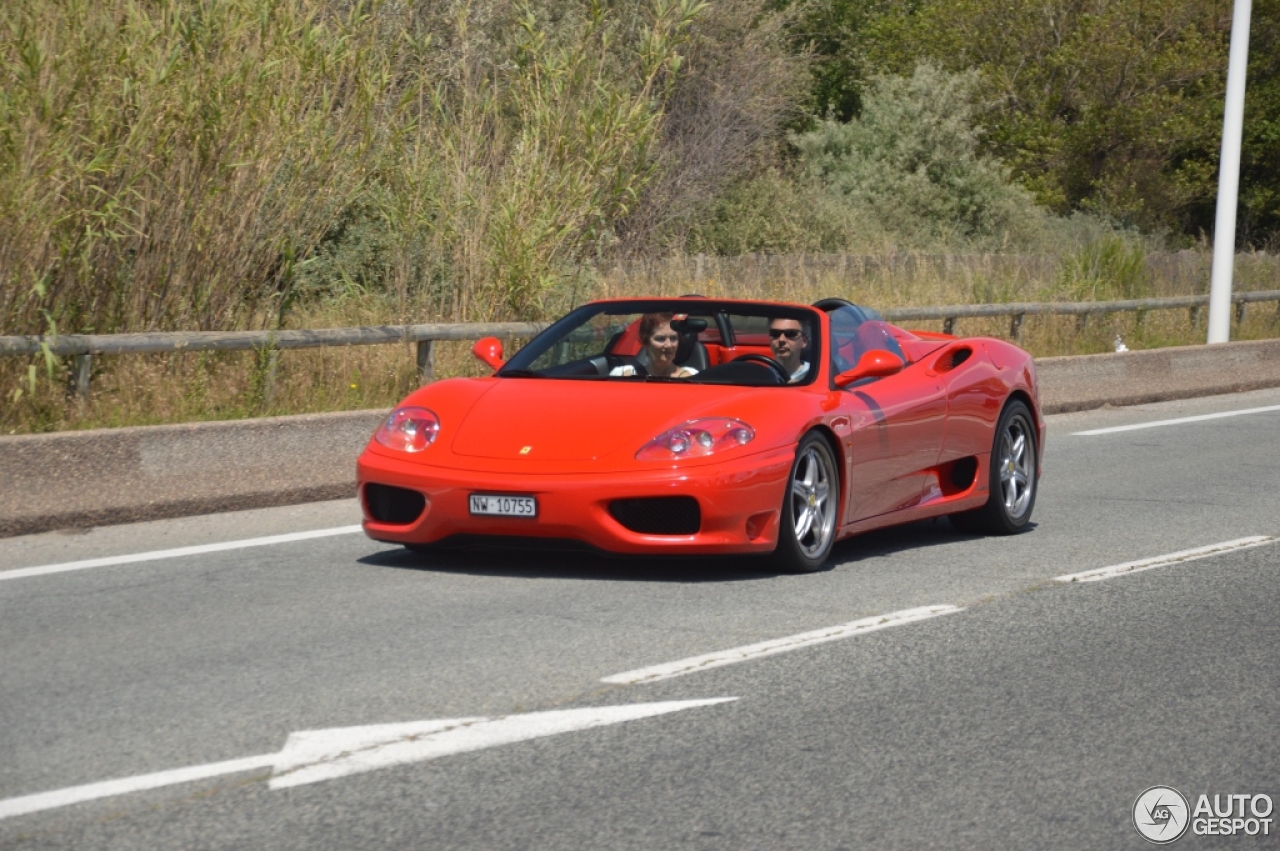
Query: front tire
(1012,477)
(808,523)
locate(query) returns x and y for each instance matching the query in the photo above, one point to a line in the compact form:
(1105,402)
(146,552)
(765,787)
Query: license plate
(504,506)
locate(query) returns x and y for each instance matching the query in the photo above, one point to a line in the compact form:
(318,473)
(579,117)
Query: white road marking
(156,555)
(1179,421)
(314,755)
(1164,560)
(778,645)
(11,807)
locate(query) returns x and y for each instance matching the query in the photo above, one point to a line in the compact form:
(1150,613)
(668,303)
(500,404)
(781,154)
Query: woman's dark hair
(650,322)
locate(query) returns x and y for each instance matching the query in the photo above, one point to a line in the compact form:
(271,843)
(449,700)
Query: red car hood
(565,420)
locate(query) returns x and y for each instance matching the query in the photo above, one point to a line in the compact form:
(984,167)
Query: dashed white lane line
(734,655)
(1164,560)
(1178,421)
(156,555)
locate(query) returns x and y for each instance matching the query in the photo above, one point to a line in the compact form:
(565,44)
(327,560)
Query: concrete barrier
(88,478)
(1156,375)
(91,478)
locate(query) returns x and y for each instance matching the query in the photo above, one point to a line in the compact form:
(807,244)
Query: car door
(896,423)
(976,394)
(897,427)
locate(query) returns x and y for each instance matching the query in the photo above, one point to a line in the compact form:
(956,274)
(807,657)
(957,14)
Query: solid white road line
(1164,560)
(110,788)
(1179,421)
(155,555)
(778,645)
(311,756)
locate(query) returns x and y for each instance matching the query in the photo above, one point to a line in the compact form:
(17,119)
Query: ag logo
(1161,814)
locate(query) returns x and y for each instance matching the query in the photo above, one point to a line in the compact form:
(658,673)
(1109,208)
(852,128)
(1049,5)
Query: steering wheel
(778,369)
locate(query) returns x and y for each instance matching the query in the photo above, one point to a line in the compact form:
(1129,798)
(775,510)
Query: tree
(1112,106)
(1259,216)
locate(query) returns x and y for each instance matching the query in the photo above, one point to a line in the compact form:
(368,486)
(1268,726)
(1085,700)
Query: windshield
(663,340)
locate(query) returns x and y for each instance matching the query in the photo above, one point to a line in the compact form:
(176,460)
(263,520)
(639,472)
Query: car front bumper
(739,502)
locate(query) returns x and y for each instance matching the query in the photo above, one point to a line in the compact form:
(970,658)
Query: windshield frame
(717,311)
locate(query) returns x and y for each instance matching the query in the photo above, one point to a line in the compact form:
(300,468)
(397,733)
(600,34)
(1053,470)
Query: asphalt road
(1031,717)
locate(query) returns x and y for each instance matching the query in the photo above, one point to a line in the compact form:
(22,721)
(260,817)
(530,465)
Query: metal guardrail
(1019,310)
(84,347)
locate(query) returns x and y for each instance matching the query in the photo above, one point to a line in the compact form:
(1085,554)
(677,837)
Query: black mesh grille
(658,515)
(388,504)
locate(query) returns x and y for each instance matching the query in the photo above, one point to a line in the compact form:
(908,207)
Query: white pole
(1224,230)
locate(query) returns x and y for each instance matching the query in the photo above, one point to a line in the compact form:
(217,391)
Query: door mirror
(489,351)
(872,364)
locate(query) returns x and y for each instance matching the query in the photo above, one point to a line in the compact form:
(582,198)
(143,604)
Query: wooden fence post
(426,361)
(81,372)
(269,380)
(1015,328)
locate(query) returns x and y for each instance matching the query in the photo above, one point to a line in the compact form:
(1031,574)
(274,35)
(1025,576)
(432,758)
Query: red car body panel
(899,442)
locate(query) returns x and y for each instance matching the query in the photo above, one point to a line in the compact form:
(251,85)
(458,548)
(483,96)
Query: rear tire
(807,526)
(1011,477)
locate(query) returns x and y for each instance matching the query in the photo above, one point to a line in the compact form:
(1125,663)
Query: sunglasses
(789,333)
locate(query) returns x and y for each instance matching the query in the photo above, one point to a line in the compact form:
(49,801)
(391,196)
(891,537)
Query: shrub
(911,160)
(777,214)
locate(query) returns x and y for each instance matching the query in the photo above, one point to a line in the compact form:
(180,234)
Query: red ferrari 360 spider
(693,425)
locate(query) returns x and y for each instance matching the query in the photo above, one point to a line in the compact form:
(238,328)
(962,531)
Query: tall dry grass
(163,164)
(204,164)
(520,157)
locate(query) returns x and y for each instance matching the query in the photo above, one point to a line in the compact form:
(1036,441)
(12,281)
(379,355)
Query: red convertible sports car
(699,426)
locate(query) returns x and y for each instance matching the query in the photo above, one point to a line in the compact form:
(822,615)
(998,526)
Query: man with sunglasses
(788,342)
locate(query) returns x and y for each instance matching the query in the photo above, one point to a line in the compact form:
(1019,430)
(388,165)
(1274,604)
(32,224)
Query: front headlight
(408,429)
(697,438)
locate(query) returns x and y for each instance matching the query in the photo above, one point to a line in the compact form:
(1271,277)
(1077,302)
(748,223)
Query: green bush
(911,161)
(776,214)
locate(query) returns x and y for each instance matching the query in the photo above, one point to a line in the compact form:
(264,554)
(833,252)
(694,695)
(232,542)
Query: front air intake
(658,515)
(397,506)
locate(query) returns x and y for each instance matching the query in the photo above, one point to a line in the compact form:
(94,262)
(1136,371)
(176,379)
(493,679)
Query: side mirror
(489,351)
(872,364)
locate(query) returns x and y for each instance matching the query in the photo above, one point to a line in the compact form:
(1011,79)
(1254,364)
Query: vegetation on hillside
(200,164)
(1106,106)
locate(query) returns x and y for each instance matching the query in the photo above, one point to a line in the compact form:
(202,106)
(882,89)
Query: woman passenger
(658,355)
